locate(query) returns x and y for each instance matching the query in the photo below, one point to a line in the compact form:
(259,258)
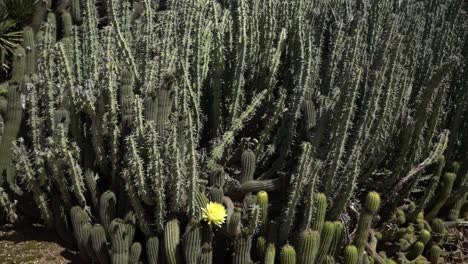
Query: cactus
(287,255)
(206,256)
(107,210)
(261,247)
(445,189)
(415,250)
(262,199)
(424,237)
(335,247)
(172,241)
(248,166)
(270,254)
(309,242)
(350,255)
(99,243)
(79,219)
(438,230)
(326,238)
(434,254)
(321,205)
(119,242)
(134,254)
(233,226)
(241,249)
(30,51)
(192,243)
(371,206)
(152,249)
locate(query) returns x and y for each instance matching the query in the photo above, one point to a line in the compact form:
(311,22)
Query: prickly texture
(372,204)
(134,254)
(107,210)
(119,242)
(241,250)
(321,207)
(309,243)
(415,250)
(99,243)
(442,196)
(152,249)
(434,254)
(335,247)
(192,243)
(79,219)
(270,254)
(287,255)
(326,238)
(350,255)
(172,241)
(248,165)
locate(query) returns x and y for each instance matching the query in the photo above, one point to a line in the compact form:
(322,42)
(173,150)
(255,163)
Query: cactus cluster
(266,131)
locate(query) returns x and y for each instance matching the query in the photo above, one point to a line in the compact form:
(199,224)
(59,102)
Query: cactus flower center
(214,213)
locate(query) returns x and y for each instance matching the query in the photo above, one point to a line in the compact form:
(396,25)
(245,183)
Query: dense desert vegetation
(214,131)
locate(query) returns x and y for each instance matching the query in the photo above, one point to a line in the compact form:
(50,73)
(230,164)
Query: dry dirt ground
(31,245)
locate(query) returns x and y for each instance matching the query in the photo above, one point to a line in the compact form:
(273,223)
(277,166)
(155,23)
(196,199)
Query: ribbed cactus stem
(30,51)
(119,242)
(107,210)
(152,249)
(424,236)
(206,256)
(248,166)
(309,242)
(192,243)
(350,255)
(233,226)
(172,241)
(371,206)
(415,251)
(438,230)
(335,247)
(19,68)
(99,244)
(442,196)
(241,250)
(262,200)
(270,254)
(326,238)
(287,255)
(134,254)
(321,208)
(434,254)
(79,218)
(261,247)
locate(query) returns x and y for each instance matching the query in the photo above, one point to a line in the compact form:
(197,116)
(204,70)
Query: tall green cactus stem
(79,218)
(270,254)
(454,210)
(233,226)
(192,243)
(438,230)
(107,210)
(12,121)
(371,206)
(119,242)
(206,256)
(172,241)
(415,250)
(309,242)
(335,247)
(216,178)
(248,166)
(326,238)
(429,192)
(309,113)
(40,11)
(134,254)
(86,230)
(126,96)
(152,249)
(320,211)
(30,51)
(241,249)
(287,255)
(296,187)
(350,255)
(261,247)
(76,11)
(165,101)
(90,180)
(434,254)
(99,244)
(444,193)
(130,221)
(262,200)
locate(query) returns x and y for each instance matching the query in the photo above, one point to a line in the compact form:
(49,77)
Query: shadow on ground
(33,244)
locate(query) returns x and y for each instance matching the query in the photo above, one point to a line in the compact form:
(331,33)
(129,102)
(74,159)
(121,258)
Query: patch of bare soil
(30,244)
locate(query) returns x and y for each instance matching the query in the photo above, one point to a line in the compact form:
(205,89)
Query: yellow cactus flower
(214,213)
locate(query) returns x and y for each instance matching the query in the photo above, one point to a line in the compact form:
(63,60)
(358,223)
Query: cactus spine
(99,243)
(350,255)
(326,238)
(119,242)
(288,255)
(309,243)
(445,189)
(371,206)
(172,241)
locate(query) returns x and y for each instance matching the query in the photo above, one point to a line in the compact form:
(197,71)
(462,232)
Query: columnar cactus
(309,243)
(119,242)
(172,241)
(152,249)
(444,193)
(192,242)
(350,255)
(371,206)
(326,238)
(288,255)
(99,243)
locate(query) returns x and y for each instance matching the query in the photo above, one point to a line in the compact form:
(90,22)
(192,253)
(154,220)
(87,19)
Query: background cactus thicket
(310,121)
